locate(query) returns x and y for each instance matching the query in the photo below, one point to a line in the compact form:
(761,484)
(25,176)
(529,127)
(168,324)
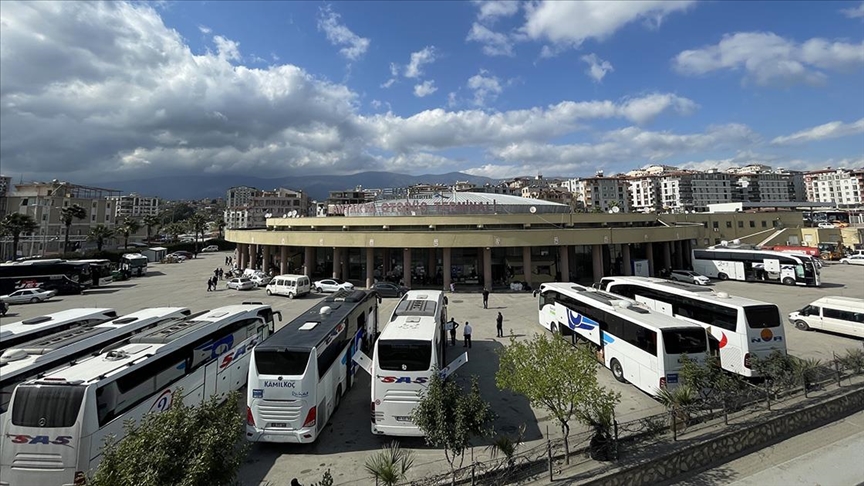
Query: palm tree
(173,230)
(67,214)
(390,465)
(151,221)
(13,225)
(220,225)
(99,234)
(197,223)
(126,228)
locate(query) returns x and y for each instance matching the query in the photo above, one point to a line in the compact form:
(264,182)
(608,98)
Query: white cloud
(485,86)
(394,76)
(647,108)
(854,12)
(767,58)
(835,129)
(494,43)
(424,89)
(340,35)
(388,83)
(597,68)
(492,9)
(414,69)
(226,48)
(571,23)
(204,29)
(451,99)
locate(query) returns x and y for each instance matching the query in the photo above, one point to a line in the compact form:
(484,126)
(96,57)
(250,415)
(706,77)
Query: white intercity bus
(298,376)
(740,329)
(754,265)
(409,349)
(57,424)
(17,333)
(640,346)
(35,358)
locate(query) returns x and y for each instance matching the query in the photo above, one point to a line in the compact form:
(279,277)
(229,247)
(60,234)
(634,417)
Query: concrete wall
(718,449)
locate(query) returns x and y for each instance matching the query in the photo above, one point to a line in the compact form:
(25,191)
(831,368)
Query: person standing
(451,326)
(485,298)
(499,325)
(466,333)
(209,284)
(452,287)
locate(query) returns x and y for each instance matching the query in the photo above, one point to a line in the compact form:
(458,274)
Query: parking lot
(347,441)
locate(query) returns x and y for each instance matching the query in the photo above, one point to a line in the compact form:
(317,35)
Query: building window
(715,224)
(728,224)
(752,224)
(764,224)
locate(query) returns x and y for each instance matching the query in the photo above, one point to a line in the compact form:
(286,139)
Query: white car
(242,283)
(853,260)
(332,285)
(177,256)
(210,248)
(25,296)
(260,279)
(689,277)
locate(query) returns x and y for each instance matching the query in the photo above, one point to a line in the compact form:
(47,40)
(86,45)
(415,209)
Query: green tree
(150,221)
(189,446)
(67,215)
(173,230)
(99,234)
(127,227)
(449,417)
(390,464)
(708,380)
(567,386)
(14,225)
(220,225)
(197,224)
(176,213)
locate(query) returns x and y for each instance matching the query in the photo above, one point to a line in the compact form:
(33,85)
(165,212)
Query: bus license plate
(278,425)
(672,378)
(402,418)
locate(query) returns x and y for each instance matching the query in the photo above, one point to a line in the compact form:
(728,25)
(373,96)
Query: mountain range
(317,187)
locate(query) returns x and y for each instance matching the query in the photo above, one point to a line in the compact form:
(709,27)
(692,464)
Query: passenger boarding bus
(17,333)
(297,377)
(56,425)
(756,266)
(34,358)
(409,349)
(739,329)
(640,346)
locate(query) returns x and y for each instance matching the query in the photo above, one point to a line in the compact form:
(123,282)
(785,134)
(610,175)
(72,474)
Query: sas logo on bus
(237,354)
(766,336)
(63,440)
(420,380)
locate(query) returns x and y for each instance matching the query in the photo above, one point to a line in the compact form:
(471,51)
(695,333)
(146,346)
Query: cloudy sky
(116,91)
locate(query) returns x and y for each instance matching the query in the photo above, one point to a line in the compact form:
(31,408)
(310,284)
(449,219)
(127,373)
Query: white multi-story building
(694,191)
(843,187)
(599,193)
(134,206)
(645,194)
(255,210)
(240,196)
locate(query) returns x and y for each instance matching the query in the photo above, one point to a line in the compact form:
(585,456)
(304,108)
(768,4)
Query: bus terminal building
(492,240)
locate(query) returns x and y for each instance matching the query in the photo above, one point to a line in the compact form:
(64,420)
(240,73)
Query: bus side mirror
(534,294)
(278,313)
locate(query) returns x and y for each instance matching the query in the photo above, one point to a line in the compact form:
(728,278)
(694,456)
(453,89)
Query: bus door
(211,375)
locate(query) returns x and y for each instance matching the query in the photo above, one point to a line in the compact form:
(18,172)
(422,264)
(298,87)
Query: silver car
(689,277)
(332,285)
(28,296)
(242,283)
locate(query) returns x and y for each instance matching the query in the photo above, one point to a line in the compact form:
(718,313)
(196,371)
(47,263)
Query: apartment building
(255,206)
(43,201)
(134,206)
(843,187)
(645,195)
(599,193)
(5,189)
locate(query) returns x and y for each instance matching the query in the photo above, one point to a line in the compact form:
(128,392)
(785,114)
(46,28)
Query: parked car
(25,296)
(261,279)
(176,257)
(689,277)
(210,248)
(332,285)
(241,283)
(187,254)
(387,289)
(853,260)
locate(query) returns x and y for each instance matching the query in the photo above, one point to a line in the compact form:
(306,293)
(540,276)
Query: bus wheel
(554,329)
(802,325)
(789,281)
(617,370)
(290,295)
(722,276)
(269,293)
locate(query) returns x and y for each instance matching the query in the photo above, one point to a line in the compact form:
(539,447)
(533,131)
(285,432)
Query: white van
(290,285)
(843,315)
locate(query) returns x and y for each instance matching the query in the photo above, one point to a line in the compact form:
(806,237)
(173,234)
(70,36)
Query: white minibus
(289,285)
(298,376)
(640,346)
(57,424)
(843,315)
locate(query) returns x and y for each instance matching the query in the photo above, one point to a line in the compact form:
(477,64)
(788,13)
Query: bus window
(290,363)
(404,355)
(47,405)
(680,341)
(762,316)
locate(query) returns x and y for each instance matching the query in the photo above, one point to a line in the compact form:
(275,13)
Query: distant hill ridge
(317,187)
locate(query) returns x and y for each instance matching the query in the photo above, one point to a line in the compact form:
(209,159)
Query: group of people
(213,281)
(451,326)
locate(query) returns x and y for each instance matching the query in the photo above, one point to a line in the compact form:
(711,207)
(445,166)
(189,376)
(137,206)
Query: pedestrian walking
(209,284)
(499,325)
(226,260)
(485,298)
(466,333)
(451,326)
(452,287)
